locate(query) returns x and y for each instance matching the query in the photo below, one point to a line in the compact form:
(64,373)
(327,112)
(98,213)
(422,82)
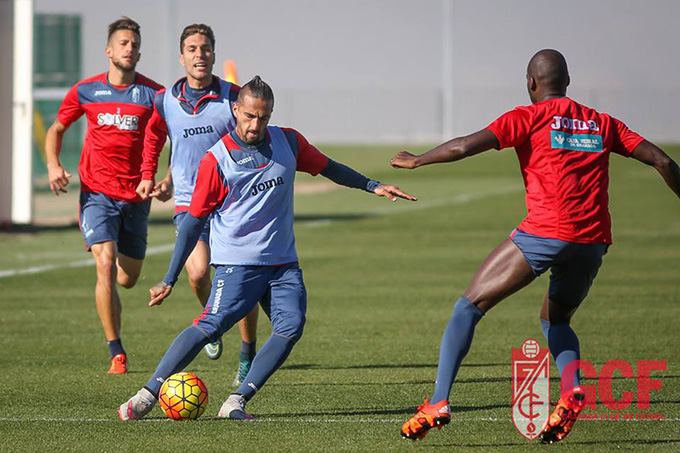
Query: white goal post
(16,84)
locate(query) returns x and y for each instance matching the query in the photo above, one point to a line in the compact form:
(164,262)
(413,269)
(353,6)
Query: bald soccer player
(563,149)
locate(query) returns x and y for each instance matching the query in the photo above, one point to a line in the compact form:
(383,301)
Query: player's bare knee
(106,268)
(127,281)
(483,303)
(199,279)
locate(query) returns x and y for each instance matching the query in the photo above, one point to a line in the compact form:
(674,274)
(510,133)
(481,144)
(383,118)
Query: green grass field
(382,279)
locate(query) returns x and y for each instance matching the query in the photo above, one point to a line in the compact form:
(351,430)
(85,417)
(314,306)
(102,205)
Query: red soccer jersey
(563,149)
(111,158)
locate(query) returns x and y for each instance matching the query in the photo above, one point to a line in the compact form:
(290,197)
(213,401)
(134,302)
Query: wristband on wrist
(372,185)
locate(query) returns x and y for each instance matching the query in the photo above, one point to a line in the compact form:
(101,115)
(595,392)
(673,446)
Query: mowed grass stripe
(151,251)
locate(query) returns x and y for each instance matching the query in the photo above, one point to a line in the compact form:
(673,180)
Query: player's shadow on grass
(322,218)
(36,229)
(314,366)
(565,443)
(485,380)
(405,411)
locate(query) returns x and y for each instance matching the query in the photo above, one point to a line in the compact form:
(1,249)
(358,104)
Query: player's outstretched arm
(348,177)
(57,175)
(648,153)
(187,236)
(455,149)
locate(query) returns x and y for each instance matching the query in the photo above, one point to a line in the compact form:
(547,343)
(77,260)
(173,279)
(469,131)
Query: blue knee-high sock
(564,347)
(455,346)
(268,359)
(181,352)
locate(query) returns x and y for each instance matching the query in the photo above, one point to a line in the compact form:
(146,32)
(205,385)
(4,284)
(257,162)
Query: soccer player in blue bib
(195,113)
(245,182)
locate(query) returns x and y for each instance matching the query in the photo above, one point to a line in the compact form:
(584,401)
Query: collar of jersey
(213,93)
(119,87)
(243,147)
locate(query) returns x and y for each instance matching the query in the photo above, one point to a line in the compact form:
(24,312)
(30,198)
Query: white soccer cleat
(234,408)
(137,406)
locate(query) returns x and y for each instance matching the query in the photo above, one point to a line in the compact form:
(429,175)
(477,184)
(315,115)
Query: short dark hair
(258,89)
(201,29)
(124,23)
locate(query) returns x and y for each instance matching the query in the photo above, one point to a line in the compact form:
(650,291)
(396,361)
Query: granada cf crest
(530,388)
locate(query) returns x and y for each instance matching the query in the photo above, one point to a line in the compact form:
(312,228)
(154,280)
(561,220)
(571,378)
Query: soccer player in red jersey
(563,149)
(113,218)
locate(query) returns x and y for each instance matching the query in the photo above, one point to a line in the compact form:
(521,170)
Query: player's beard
(124,66)
(252,141)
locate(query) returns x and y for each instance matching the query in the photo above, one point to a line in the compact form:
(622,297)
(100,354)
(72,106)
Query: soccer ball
(183,396)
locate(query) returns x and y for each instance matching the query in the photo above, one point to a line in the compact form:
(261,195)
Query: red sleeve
(211,189)
(154,138)
(625,140)
(512,128)
(309,158)
(70,109)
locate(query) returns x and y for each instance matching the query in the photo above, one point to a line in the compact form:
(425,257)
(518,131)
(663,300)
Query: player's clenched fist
(145,188)
(404,159)
(163,190)
(159,293)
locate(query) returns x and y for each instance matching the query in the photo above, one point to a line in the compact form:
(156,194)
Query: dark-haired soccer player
(563,149)
(196,113)
(113,218)
(245,181)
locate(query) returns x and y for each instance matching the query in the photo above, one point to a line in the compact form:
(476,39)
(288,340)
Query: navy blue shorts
(205,234)
(104,219)
(237,289)
(573,266)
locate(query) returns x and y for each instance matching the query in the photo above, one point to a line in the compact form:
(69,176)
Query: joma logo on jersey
(562,122)
(191,131)
(261,187)
(122,122)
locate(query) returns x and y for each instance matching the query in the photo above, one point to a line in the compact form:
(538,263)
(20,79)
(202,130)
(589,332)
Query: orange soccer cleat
(118,364)
(428,416)
(562,420)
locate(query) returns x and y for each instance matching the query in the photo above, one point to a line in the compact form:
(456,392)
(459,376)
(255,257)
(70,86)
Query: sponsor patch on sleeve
(576,142)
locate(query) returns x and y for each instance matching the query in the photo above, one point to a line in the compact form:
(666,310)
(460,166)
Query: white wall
(370,71)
